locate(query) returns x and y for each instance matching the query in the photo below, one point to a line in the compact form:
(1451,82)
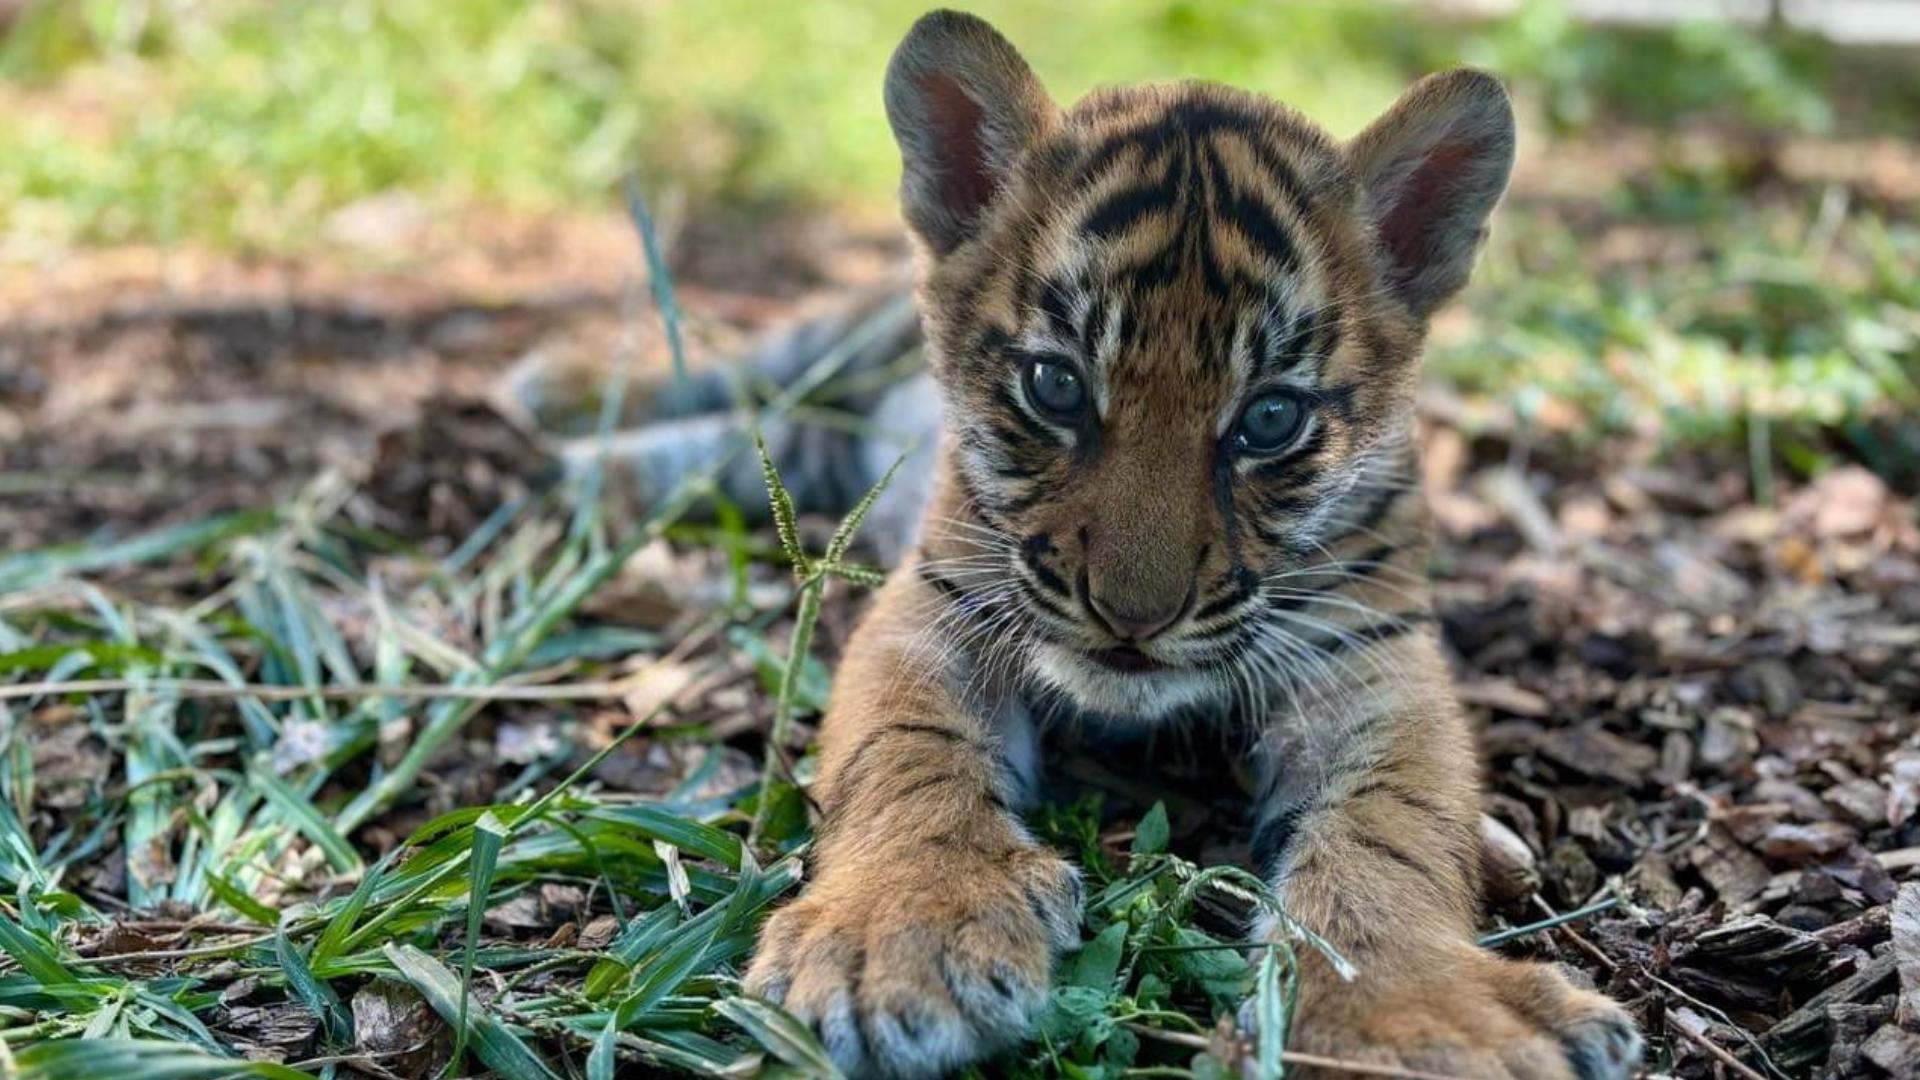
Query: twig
(1297,1057)
(1720,1053)
(1573,935)
(1753,1044)
(1501,937)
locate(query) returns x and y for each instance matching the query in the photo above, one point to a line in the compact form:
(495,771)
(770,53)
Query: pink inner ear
(1420,206)
(958,121)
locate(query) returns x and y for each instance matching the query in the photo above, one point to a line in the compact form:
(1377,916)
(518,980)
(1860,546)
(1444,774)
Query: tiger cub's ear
(1432,169)
(963,104)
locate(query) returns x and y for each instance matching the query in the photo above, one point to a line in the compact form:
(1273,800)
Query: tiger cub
(1175,331)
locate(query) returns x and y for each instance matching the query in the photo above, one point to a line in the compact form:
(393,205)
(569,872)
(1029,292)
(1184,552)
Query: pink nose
(1134,625)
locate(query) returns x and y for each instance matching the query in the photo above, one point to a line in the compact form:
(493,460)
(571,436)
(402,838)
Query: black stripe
(1123,209)
(849,772)
(1033,551)
(991,510)
(1374,843)
(949,588)
(1242,583)
(1057,306)
(1196,232)
(1022,503)
(1096,322)
(1256,222)
(1400,793)
(1302,337)
(914,783)
(1044,602)
(1193,119)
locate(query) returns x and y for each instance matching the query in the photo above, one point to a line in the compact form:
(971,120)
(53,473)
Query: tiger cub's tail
(840,398)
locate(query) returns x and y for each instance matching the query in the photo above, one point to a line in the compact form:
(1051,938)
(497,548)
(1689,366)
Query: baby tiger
(1175,332)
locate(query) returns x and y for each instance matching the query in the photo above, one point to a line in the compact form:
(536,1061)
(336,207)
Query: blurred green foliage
(243,122)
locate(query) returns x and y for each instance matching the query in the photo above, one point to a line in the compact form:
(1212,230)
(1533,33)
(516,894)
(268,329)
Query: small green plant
(812,575)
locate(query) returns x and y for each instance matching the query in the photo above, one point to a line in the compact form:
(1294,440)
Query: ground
(301,649)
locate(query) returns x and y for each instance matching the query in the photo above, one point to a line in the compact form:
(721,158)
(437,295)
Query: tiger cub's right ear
(963,104)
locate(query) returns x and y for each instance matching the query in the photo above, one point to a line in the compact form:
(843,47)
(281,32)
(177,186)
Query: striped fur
(1129,549)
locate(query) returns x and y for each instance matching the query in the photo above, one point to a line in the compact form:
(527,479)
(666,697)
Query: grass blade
(783,1036)
(496,1044)
(489,836)
(306,820)
(334,1019)
(149,1059)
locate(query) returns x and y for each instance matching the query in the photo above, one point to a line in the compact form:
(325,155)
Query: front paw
(912,971)
(1480,1017)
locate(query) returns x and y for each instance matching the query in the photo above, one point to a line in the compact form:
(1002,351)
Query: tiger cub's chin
(1116,687)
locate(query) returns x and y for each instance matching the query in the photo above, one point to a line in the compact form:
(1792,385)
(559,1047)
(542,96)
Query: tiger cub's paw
(1485,1018)
(912,971)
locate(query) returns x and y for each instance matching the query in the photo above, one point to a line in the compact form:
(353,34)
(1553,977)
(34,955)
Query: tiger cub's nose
(1135,623)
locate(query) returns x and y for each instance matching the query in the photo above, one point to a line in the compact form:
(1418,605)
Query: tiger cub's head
(1177,330)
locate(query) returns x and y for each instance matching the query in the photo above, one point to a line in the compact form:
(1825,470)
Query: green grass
(1760,323)
(241,123)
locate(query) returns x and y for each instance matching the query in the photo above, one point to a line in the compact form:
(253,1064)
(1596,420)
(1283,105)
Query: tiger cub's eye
(1056,389)
(1269,423)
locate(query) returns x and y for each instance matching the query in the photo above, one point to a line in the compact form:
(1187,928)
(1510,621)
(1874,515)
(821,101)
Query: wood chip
(1904,922)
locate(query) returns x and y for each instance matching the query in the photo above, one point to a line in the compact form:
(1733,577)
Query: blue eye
(1056,389)
(1269,423)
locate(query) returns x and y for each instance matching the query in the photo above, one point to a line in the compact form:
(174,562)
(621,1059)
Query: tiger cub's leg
(925,935)
(1378,851)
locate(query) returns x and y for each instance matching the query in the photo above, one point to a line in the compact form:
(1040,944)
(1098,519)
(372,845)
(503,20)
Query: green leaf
(36,957)
(601,1062)
(241,900)
(489,836)
(1098,962)
(692,837)
(305,818)
(1270,1009)
(783,1036)
(636,940)
(148,1059)
(1151,835)
(501,1049)
(662,973)
(340,928)
(1072,1010)
(334,1019)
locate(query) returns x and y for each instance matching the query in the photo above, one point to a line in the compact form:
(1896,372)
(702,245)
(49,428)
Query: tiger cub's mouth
(1125,658)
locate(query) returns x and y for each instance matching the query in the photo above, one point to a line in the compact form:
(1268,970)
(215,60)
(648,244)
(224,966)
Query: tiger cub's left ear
(1432,169)
(963,105)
